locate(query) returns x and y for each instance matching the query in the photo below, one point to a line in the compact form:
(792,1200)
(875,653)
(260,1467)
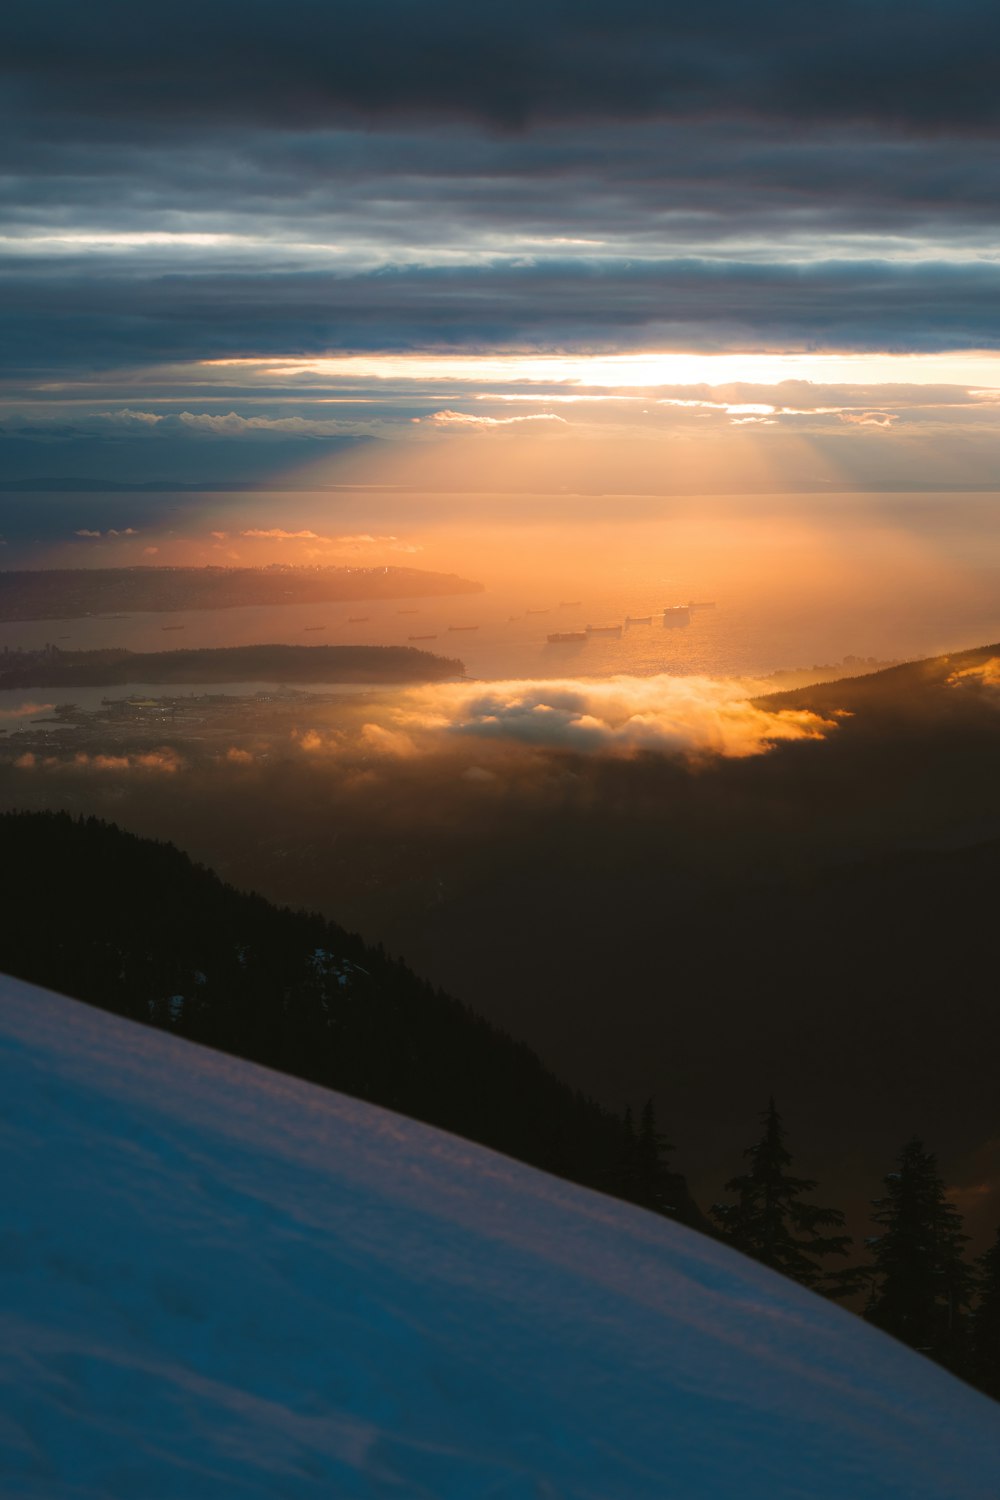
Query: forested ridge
(133,926)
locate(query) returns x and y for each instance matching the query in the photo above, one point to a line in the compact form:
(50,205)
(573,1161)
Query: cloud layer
(244,182)
(926,64)
(691,717)
(985,675)
(100,314)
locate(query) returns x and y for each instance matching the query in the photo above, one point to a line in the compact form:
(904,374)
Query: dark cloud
(223,180)
(177,457)
(619,183)
(95,312)
(923,65)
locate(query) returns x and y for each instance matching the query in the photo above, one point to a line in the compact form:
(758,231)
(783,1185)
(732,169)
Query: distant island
(69,593)
(53,668)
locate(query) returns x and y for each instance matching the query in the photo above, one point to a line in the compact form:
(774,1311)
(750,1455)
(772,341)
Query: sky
(559,246)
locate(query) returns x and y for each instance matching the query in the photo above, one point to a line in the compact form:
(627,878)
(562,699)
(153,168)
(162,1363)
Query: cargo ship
(603,629)
(638,619)
(421,637)
(358,619)
(677,614)
(565,637)
(463,627)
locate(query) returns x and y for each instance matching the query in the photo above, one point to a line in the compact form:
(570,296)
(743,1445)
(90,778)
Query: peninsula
(69,593)
(53,668)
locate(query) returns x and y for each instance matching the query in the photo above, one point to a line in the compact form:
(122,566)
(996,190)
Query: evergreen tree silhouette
(770,1221)
(643,1174)
(920,1287)
(985,1362)
(655,1179)
(627,1174)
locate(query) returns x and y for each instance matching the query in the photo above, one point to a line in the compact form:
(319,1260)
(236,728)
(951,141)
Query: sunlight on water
(795,581)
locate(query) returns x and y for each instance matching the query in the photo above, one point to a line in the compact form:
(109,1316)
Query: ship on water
(358,619)
(638,619)
(421,637)
(569,604)
(537,611)
(566,637)
(677,614)
(463,627)
(314,627)
(603,629)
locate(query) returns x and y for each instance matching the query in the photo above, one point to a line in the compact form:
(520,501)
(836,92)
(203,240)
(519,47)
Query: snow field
(215,1280)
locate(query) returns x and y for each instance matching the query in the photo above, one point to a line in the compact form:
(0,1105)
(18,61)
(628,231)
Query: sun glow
(639,370)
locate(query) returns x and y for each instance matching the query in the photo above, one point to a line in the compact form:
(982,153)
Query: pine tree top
(770,1219)
(920,1283)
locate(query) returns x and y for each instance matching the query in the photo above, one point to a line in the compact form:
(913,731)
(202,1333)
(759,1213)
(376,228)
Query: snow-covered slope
(218,1281)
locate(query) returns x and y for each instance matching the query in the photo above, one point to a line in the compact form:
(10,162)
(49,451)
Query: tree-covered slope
(133,926)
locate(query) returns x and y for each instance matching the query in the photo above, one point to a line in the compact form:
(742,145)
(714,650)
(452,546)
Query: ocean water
(737,637)
(796,580)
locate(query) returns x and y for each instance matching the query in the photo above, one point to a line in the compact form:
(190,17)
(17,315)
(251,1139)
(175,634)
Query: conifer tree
(643,1173)
(921,1287)
(985,1363)
(626,1183)
(655,1178)
(770,1221)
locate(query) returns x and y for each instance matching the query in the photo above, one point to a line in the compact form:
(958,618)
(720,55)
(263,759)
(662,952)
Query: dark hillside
(915,691)
(133,926)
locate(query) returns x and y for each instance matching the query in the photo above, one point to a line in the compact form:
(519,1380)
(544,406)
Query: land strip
(53,668)
(70,593)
